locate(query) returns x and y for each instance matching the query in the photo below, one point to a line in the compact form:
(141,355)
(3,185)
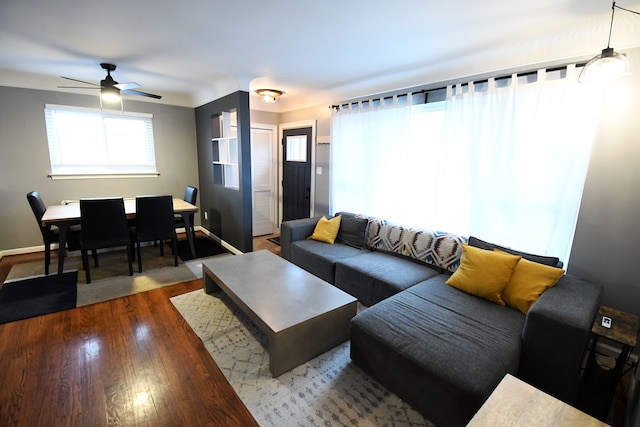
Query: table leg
(187,225)
(62,245)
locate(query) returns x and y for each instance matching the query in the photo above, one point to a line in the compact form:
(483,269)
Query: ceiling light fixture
(269,96)
(110,94)
(609,65)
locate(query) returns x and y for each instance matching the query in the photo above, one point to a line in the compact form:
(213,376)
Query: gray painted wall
(606,247)
(24,159)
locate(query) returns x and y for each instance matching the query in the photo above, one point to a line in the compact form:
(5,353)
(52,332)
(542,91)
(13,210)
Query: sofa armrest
(556,334)
(297,229)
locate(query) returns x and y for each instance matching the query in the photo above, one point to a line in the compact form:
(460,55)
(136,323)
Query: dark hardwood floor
(131,361)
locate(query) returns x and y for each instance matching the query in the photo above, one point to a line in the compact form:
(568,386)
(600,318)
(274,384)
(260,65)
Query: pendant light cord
(626,10)
(613,11)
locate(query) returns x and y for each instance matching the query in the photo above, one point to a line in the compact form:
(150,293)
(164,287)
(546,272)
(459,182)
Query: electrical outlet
(206,216)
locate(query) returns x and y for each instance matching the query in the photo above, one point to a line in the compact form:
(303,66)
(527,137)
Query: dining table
(66,215)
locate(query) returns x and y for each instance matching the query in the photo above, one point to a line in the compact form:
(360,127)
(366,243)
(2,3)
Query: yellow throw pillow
(326,230)
(530,279)
(484,273)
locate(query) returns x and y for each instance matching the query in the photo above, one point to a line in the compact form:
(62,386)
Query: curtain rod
(426,91)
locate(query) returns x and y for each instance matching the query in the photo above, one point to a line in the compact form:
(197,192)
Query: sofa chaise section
(444,351)
(437,348)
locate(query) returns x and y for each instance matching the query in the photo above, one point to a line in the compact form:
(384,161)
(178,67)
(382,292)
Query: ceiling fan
(110,89)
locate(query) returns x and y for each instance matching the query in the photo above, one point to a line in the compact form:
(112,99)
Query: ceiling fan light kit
(269,96)
(608,65)
(110,90)
(110,94)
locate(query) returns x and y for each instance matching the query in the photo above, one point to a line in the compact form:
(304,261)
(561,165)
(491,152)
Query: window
(504,161)
(85,142)
(296,149)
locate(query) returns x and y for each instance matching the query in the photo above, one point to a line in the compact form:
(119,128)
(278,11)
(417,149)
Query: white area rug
(326,391)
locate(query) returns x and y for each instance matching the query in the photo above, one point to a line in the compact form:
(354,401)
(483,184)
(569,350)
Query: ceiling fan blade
(77,87)
(127,86)
(80,81)
(137,92)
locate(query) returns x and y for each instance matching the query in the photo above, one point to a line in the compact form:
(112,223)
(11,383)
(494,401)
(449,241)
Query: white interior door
(263,175)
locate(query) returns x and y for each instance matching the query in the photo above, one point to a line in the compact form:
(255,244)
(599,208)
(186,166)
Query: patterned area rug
(326,391)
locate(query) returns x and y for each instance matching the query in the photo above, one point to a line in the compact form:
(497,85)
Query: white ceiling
(194,51)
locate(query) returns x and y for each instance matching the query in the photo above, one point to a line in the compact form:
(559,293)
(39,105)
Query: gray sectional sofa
(441,349)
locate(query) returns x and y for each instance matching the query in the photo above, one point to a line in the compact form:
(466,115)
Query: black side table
(599,381)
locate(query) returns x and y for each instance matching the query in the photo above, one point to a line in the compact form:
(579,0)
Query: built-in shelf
(225,151)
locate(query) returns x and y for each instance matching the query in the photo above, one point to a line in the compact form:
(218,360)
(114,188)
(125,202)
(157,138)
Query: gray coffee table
(302,315)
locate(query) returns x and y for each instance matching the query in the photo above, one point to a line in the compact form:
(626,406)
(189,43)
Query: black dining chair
(104,225)
(50,234)
(190,196)
(155,222)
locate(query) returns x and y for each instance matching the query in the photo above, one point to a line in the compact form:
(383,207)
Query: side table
(599,381)
(518,404)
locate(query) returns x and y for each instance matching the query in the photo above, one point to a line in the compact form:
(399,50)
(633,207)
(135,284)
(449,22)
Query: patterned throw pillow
(437,248)
(373,233)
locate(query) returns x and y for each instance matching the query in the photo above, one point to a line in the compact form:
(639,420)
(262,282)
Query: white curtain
(370,142)
(506,162)
(521,154)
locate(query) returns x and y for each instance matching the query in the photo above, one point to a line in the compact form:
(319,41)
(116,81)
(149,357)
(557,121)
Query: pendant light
(609,65)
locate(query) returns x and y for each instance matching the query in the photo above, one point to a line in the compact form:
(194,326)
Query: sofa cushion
(374,276)
(529,280)
(436,248)
(319,258)
(352,231)
(441,350)
(326,230)
(547,260)
(484,273)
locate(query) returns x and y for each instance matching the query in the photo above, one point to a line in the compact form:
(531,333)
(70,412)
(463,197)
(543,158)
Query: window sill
(103,176)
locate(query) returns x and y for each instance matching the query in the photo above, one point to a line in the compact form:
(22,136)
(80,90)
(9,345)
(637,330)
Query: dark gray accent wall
(229,210)
(24,159)
(606,247)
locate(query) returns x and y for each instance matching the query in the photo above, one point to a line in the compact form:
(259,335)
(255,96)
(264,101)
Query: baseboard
(221,242)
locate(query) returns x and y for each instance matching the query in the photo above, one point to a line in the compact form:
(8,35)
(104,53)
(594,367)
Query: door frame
(312,199)
(275,147)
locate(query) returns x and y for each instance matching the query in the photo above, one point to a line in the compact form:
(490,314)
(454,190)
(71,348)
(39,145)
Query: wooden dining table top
(71,211)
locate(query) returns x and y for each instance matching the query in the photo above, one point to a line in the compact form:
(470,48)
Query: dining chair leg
(85,265)
(139,257)
(129,256)
(174,247)
(95,257)
(47,257)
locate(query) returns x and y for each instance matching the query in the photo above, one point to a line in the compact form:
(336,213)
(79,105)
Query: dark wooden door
(296,173)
